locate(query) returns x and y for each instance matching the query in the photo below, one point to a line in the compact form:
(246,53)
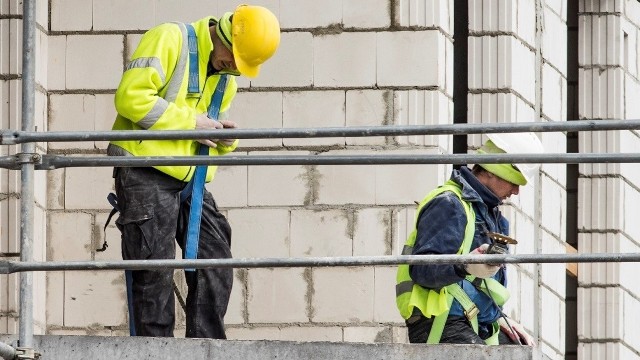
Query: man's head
(244,39)
(505,180)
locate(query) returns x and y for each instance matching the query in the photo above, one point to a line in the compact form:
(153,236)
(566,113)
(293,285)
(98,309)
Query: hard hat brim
(244,68)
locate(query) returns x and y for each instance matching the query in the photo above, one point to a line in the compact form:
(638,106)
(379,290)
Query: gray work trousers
(151,220)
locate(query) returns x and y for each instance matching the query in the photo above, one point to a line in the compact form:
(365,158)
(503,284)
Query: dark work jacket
(441,228)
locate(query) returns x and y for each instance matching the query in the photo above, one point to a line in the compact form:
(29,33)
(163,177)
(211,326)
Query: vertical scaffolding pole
(27,175)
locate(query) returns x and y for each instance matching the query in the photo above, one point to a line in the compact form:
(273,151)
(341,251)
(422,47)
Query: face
(501,188)
(221,57)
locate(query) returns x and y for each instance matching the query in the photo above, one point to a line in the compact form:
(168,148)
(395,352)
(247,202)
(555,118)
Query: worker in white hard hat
(455,303)
(182,77)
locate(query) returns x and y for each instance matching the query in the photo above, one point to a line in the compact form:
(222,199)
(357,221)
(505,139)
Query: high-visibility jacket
(432,303)
(153,95)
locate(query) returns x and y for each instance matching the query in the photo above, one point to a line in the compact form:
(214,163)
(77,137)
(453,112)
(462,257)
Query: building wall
(608,295)
(340,63)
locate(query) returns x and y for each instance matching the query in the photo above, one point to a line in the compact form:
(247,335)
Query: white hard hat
(514,143)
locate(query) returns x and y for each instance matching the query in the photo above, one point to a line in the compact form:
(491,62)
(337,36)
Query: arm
(441,228)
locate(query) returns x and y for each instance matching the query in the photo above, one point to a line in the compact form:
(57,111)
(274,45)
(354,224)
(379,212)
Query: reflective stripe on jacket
(153,95)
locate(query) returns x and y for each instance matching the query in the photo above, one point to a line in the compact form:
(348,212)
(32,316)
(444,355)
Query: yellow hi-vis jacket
(410,295)
(153,95)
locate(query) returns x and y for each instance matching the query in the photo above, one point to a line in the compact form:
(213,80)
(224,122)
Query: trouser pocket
(138,227)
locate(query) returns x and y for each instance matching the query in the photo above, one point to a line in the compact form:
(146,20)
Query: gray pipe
(9,137)
(27,176)
(8,267)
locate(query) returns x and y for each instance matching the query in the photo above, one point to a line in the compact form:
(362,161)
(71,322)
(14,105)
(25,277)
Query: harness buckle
(472,312)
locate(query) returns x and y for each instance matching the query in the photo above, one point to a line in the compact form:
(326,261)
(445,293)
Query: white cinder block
(56,74)
(552,318)
(527,21)
(69,248)
(629,203)
(295,48)
(350,299)
(237,308)
(71,15)
(356,65)
(315,333)
(131,16)
(11,49)
(550,273)
(490,14)
(346,184)
(86,292)
(366,334)
(475,15)
(88,189)
(401,62)
(372,232)
(258,110)
(489,62)
(299,180)
(629,143)
(253,333)
(417,107)
(553,87)
(229,187)
(475,58)
(85,53)
(71,112)
(321,233)
(368,108)
(314,109)
(132,40)
(364,14)
(554,40)
(508,18)
(305,14)
(260,233)
(269,289)
(384,307)
(408,188)
(169,10)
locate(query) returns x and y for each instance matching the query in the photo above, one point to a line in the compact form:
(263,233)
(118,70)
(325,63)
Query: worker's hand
(518,332)
(227,124)
(203,122)
(481,270)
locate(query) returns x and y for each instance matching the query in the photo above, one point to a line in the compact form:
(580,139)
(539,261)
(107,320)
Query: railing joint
(27,354)
(28,158)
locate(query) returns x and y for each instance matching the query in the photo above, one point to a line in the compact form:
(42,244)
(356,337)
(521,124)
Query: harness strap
(196,185)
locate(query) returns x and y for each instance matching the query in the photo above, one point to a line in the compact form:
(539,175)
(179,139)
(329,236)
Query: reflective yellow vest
(438,303)
(153,95)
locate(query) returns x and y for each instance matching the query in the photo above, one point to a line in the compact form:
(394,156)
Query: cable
(502,313)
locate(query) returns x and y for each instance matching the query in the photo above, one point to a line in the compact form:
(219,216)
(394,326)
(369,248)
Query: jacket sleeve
(152,65)
(441,227)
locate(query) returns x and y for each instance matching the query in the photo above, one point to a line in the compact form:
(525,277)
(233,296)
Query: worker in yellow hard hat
(454,303)
(182,77)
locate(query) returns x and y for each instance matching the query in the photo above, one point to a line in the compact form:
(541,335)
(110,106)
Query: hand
(227,124)
(518,332)
(481,270)
(203,122)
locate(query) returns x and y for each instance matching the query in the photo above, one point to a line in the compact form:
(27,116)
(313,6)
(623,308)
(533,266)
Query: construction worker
(445,303)
(171,84)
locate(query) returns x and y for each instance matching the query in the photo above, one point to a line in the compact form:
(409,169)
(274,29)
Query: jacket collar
(472,189)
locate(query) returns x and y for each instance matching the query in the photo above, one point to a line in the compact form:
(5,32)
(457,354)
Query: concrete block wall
(607,296)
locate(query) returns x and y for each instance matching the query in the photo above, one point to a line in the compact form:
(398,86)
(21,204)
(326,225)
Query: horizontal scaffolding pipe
(9,267)
(10,137)
(50,162)
(7,352)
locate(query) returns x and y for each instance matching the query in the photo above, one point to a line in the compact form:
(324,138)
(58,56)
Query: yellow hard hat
(255,36)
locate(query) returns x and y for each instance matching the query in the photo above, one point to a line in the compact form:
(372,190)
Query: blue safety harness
(195,187)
